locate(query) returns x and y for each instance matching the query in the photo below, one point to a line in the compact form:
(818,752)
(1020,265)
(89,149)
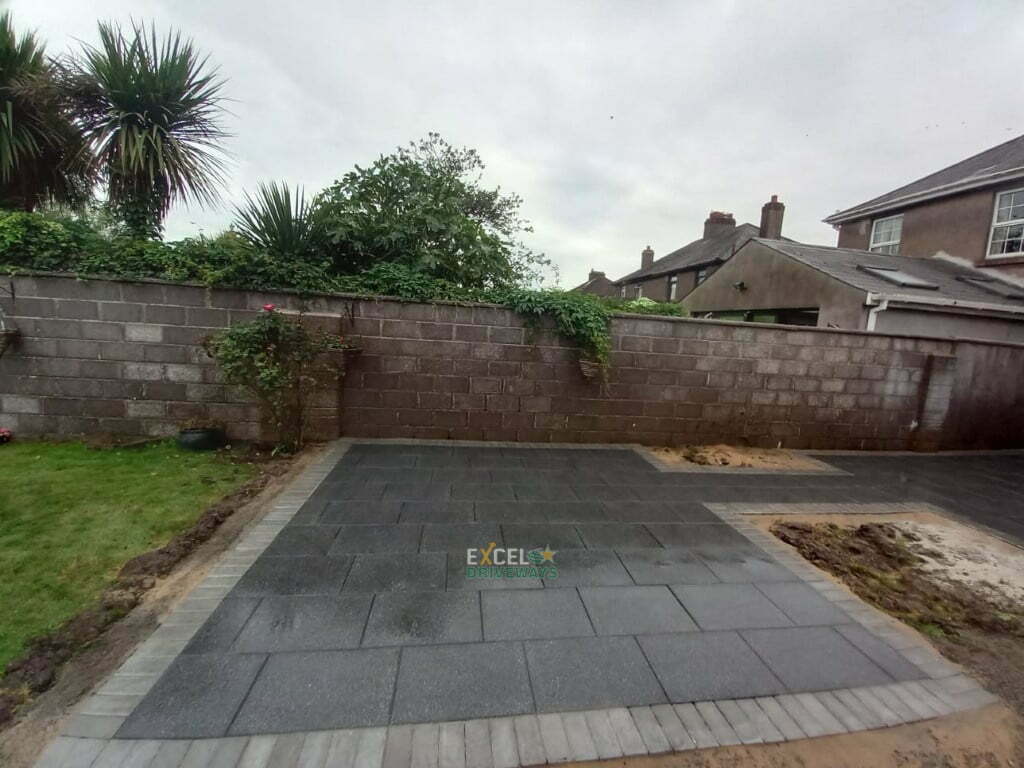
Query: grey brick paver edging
(508,742)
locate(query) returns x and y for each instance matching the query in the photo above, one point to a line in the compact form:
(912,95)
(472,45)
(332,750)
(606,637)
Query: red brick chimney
(718,223)
(646,257)
(771,219)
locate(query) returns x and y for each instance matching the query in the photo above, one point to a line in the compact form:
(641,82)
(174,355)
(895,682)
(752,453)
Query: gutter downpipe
(874,312)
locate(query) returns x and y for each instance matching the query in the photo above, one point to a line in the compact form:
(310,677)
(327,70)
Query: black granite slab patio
(361,612)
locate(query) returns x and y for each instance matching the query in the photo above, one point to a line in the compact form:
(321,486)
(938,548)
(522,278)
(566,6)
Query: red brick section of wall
(124,357)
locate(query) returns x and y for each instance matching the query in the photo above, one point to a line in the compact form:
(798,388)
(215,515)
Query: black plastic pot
(201,439)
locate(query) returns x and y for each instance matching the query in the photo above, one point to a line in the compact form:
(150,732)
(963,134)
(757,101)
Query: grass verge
(71,516)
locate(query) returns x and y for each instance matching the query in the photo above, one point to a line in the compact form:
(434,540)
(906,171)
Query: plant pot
(590,369)
(206,439)
(7,338)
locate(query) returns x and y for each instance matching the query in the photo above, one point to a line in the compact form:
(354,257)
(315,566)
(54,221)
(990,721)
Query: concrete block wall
(124,357)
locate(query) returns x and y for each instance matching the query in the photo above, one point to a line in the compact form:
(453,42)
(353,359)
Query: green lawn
(70,516)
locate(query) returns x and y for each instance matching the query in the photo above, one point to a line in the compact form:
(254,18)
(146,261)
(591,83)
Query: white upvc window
(673,284)
(702,275)
(639,291)
(886,234)
(622,292)
(1007,238)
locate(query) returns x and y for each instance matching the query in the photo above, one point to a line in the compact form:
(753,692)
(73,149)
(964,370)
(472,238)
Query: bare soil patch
(79,655)
(955,584)
(736,456)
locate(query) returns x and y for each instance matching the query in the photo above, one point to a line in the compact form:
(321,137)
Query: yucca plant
(277,221)
(151,110)
(38,139)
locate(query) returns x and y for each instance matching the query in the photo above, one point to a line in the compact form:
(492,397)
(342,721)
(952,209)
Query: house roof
(952,283)
(1004,162)
(592,281)
(698,253)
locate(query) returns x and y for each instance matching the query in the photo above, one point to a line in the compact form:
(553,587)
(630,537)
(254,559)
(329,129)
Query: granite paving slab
(302,623)
(350,606)
(584,673)
(453,682)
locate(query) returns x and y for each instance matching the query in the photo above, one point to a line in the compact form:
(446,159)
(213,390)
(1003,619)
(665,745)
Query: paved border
(723,509)
(505,742)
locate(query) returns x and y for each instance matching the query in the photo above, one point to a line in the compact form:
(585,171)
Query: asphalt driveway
(624,590)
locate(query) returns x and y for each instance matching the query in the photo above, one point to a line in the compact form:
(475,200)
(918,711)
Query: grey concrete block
(425,743)
(577,733)
(478,744)
(646,722)
(398,747)
(630,740)
(817,710)
(528,741)
(603,734)
(342,748)
(671,727)
(554,738)
(721,729)
(766,729)
(701,733)
(666,566)
(503,743)
(370,753)
(781,719)
(879,652)
(377,573)
(452,745)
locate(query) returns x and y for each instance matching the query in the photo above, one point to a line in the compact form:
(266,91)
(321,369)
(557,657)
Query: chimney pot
(771,219)
(717,223)
(646,257)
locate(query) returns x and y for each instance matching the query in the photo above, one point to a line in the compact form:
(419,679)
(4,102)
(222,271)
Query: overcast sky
(620,123)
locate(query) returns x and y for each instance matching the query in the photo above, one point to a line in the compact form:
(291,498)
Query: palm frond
(151,111)
(276,221)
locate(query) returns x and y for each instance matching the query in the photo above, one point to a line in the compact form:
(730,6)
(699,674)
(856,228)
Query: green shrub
(280,362)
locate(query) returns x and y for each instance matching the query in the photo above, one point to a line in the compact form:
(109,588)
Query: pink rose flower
(269,307)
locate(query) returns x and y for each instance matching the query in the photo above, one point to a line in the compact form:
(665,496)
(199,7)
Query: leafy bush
(37,241)
(279,362)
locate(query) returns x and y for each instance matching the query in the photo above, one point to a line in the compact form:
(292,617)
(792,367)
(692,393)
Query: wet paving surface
(364,611)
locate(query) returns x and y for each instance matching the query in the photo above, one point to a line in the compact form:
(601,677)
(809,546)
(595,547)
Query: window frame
(874,247)
(1012,222)
(673,287)
(639,290)
(697,279)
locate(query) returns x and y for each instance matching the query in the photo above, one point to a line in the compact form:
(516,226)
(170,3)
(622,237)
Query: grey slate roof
(1000,163)
(842,264)
(698,253)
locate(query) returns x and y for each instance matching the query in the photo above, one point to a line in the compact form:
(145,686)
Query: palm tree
(150,111)
(278,222)
(38,139)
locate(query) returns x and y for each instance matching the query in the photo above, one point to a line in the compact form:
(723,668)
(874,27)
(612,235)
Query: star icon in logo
(548,554)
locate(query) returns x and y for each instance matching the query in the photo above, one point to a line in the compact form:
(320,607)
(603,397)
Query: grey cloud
(621,124)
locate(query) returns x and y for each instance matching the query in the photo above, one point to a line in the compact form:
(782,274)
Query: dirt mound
(735,456)
(879,563)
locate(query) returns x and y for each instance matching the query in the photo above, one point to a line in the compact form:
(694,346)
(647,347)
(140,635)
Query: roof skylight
(897,277)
